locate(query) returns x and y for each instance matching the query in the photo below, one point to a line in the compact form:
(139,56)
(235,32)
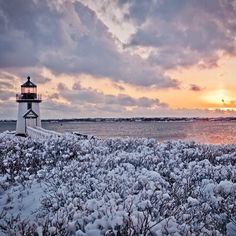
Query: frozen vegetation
(71,186)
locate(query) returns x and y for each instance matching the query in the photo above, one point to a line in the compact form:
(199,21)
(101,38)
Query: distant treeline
(136,119)
(140,119)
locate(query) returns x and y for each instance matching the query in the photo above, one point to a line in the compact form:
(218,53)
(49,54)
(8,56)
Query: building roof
(28,84)
(30,114)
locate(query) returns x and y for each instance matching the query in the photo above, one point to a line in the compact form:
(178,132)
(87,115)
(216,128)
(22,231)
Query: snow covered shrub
(119,186)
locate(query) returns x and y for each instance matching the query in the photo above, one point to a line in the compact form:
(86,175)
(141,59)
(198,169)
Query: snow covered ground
(71,186)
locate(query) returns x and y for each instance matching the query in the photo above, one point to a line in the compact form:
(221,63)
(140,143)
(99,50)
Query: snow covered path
(71,186)
(40,133)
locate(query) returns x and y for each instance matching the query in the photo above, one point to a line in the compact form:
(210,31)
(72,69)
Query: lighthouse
(28,108)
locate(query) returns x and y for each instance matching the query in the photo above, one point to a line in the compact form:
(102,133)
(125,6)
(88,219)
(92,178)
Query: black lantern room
(28,90)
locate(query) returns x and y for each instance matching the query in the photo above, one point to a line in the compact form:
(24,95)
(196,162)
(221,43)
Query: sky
(120,58)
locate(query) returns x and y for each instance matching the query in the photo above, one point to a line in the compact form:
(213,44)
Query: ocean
(205,132)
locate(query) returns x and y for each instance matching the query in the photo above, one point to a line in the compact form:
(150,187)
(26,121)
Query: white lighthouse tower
(28,108)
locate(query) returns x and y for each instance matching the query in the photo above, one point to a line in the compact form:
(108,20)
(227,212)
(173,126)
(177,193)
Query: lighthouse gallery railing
(20,97)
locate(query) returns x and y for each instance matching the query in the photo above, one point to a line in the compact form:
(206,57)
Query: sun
(218,97)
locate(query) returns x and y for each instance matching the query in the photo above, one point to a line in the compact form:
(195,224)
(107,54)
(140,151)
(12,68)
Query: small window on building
(29,105)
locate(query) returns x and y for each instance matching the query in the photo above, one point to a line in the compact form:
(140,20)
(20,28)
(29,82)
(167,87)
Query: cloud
(39,79)
(97,55)
(95,97)
(62,87)
(6,76)
(180,112)
(8,110)
(185,33)
(92,103)
(117,86)
(228,104)
(6,95)
(5,85)
(126,100)
(54,96)
(76,86)
(26,28)
(50,110)
(68,38)
(195,88)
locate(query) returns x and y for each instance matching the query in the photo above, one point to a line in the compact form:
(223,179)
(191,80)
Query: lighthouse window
(29,105)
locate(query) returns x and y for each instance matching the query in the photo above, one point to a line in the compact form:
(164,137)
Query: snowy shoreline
(73,186)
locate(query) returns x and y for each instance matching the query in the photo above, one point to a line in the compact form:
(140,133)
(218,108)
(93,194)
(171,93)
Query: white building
(28,108)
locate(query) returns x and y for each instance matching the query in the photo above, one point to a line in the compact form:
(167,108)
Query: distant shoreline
(136,119)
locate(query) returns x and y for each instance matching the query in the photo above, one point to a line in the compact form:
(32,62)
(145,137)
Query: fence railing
(40,133)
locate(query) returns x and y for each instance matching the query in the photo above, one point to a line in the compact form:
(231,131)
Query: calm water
(215,132)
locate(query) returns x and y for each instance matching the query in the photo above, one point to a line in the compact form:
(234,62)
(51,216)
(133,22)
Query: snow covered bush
(117,187)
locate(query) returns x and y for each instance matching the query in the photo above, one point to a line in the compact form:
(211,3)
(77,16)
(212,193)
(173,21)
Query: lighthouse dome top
(28,84)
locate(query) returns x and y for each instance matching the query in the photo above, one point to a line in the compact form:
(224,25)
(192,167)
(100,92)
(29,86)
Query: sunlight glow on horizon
(219,97)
